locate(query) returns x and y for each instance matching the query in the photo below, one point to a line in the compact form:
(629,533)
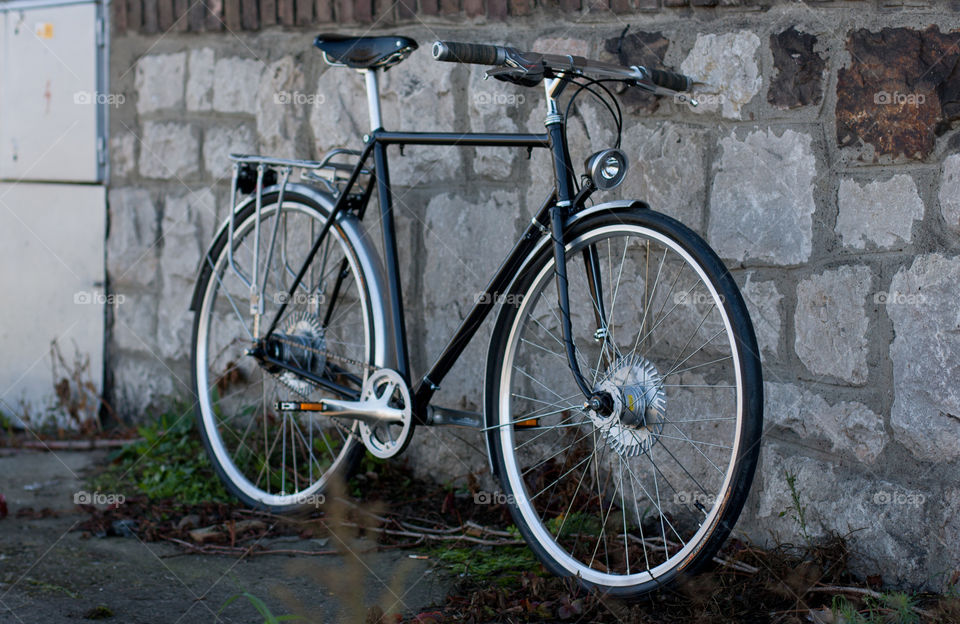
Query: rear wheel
(271,459)
(630,500)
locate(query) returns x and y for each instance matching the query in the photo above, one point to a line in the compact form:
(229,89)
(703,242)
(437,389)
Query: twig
(436,537)
(215,549)
(75,445)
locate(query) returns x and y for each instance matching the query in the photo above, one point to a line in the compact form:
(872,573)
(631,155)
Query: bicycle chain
(327,354)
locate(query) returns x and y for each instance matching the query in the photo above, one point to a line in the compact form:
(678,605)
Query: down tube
(430,382)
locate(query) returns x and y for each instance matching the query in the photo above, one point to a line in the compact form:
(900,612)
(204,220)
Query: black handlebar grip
(670,80)
(476,53)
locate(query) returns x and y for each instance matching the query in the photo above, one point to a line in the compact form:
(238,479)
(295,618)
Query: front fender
(370,265)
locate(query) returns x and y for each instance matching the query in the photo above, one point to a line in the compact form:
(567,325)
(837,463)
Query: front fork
(600,402)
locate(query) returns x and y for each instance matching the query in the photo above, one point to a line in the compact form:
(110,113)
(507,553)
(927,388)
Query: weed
(501,566)
(261,607)
(168,462)
(799,509)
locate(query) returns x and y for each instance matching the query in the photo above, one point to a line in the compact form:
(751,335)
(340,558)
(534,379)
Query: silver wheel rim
(301,496)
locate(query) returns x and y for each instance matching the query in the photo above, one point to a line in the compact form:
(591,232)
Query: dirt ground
(52,573)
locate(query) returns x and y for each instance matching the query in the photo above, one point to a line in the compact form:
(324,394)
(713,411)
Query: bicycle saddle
(364,52)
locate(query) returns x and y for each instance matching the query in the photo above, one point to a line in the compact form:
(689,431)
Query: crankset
(385,412)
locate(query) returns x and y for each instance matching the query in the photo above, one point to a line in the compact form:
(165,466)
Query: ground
(52,573)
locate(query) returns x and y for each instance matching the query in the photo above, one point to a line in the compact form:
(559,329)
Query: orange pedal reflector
(297,406)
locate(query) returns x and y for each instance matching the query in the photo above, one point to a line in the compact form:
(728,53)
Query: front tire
(630,501)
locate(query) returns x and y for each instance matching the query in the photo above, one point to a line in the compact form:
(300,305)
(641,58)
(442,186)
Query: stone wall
(824,172)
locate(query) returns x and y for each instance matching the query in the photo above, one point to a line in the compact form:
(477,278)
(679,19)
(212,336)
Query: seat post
(373,98)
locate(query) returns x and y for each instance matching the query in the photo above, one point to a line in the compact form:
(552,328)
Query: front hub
(639,406)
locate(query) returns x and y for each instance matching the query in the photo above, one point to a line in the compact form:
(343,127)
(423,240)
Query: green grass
(501,565)
(168,463)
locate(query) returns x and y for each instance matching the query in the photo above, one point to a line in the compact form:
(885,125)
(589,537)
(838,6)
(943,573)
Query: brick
(304,12)
(285,11)
(180,18)
(449,7)
(164,14)
(134,14)
(214,15)
(363,11)
(344,11)
(231,15)
(570,5)
(406,9)
(120,17)
(521,7)
(268,12)
(250,15)
(324,11)
(195,16)
(473,8)
(497,9)
(149,16)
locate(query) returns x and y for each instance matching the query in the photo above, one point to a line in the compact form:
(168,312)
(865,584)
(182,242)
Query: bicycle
(622,390)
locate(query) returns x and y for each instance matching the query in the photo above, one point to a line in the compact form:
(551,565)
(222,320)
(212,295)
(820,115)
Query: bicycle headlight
(607,168)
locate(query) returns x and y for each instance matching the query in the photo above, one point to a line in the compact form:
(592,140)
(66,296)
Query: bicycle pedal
(298,406)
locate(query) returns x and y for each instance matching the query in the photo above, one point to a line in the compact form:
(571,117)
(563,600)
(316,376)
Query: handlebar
(535,65)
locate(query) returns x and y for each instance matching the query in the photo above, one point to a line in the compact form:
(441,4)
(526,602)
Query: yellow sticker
(44,30)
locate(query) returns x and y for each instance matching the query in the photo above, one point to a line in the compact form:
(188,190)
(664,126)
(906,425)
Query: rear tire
(633,501)
(282,461)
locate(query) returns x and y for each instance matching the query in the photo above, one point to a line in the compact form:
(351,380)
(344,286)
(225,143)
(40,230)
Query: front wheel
(631,500)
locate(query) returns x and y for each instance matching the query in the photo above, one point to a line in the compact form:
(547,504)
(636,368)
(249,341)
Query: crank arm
(371,412)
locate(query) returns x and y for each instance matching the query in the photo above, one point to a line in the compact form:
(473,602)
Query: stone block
(950,192)
(763,303)
(281,104)
(221,141)
(728,63)
(132,251)
(200,71)
(880,212)
(922,303)
(849,426)
(831,323)
(158,79)
(169,150)
(235,82)
(800,70)
(761,203)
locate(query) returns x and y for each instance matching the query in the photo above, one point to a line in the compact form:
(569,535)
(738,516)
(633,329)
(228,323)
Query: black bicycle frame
(551,214)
